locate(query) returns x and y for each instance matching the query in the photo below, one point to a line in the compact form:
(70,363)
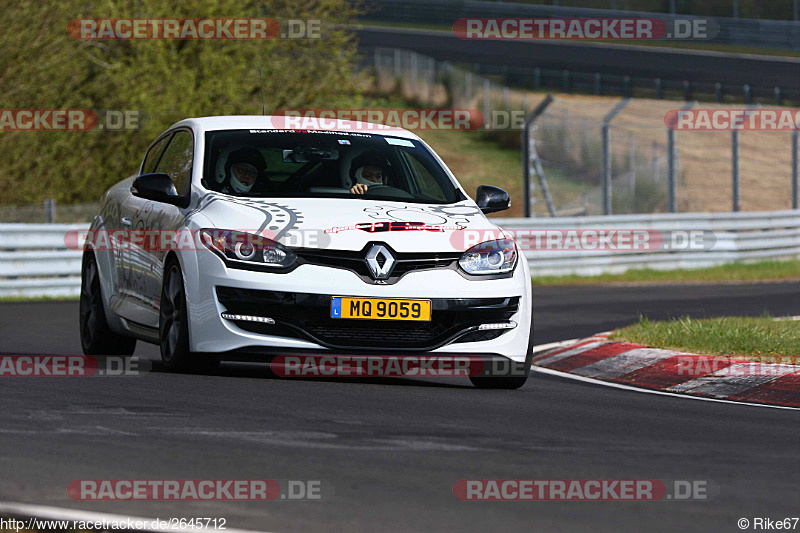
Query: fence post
(487,87)
(606,170)
(735,165)
(795,164)
(526,162)
(414,85)
(632,168)
(671,182)
(672,164)
(468,90)
(50,211)
(431,80)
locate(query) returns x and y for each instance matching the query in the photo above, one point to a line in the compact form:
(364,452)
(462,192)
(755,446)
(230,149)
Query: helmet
(243,168)
(369,159)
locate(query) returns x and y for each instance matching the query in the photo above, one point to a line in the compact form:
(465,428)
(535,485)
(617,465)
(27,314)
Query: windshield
(311,164)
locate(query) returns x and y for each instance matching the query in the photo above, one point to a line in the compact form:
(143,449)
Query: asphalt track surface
(733,71)
(392,450)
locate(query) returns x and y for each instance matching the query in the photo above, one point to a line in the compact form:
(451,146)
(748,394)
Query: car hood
(350,224)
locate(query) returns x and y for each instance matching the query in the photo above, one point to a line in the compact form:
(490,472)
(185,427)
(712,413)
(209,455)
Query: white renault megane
(239,238)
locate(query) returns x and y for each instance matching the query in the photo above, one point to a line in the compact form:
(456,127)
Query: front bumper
(299,303)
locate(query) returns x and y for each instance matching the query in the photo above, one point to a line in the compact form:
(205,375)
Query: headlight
(490,257)
(247,248)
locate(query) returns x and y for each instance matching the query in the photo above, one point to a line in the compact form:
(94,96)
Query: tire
(510,376)
(97,338)
(173,327)
(498,382)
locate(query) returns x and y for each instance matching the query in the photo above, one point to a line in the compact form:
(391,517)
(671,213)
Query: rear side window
(424,180)
(153,155)
(177,160)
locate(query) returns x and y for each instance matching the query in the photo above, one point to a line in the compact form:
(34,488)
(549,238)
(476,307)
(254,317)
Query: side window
(424,180)
(151,159)
(177,160)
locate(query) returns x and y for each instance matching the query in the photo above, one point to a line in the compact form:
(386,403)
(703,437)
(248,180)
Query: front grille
(308,316)
(354,261)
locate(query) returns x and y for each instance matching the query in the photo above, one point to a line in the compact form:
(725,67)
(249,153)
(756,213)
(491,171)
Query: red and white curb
(623,363)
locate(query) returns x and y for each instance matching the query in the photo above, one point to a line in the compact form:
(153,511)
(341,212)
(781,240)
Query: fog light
(248,318)
(498,325)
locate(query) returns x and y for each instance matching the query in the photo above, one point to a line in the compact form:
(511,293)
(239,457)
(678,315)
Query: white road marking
(551,345)
(569,353)
(593,381)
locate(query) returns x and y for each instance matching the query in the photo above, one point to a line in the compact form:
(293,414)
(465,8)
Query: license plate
(380,309)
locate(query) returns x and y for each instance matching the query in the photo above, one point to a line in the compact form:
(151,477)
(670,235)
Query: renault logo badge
(379,261)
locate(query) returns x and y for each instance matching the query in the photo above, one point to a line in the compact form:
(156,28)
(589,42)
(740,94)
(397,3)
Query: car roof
(267,122)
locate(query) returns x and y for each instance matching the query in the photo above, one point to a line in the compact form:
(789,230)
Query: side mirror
(157,187)
(492,199)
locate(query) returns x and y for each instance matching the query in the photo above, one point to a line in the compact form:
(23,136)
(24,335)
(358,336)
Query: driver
(368,170)
(242,169)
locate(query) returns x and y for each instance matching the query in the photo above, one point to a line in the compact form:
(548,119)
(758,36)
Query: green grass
(15,299)
(762,339)
(733,272)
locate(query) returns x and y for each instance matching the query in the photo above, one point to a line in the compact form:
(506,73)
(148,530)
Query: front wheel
(173,327)
(498,382)
(97,338)
(506,375)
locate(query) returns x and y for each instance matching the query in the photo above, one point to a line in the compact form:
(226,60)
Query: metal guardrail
(783,34)
(602,68)
(34,259)
(739,237)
